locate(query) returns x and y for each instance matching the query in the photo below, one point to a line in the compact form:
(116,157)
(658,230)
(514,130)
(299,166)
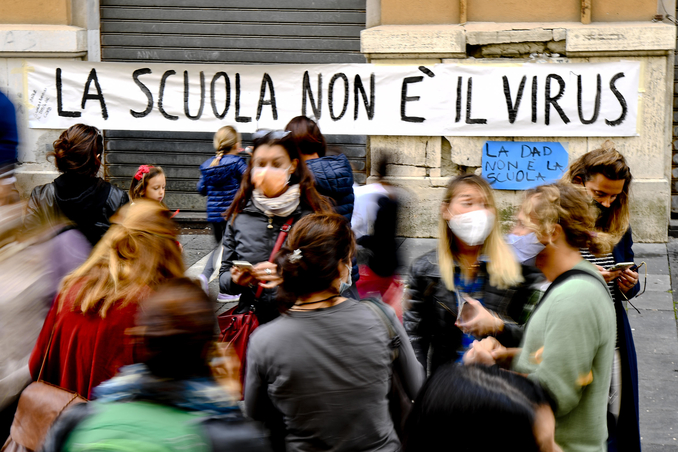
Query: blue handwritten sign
(521,165)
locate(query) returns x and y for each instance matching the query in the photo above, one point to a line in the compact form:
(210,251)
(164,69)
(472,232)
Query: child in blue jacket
(219,181)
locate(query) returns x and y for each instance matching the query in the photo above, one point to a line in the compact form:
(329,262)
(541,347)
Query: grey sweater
(328,372)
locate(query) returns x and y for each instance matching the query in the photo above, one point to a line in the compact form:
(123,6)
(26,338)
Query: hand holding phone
(241,273)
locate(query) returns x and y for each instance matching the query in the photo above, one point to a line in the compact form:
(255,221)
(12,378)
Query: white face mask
(472,228)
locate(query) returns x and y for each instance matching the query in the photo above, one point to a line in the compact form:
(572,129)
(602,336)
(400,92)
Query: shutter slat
(214,31)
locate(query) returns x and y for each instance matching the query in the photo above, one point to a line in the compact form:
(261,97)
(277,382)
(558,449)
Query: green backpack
(138,427)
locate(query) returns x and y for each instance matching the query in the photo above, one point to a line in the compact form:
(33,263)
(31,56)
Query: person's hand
(241,276)
(478,354)
(225,366)
(608,276)
(267,273)
(478,321)
(504,356)
(627,280)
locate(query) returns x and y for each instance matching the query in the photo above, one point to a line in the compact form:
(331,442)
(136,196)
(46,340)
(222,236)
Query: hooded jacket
(220,183)
(88,202)
(334,178)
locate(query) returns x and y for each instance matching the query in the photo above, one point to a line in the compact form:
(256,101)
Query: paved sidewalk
(655,331)
(656,341)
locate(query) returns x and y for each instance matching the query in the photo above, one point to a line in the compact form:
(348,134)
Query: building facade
(385,32)
(439,31)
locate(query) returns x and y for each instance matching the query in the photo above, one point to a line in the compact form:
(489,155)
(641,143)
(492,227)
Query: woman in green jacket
(569,341)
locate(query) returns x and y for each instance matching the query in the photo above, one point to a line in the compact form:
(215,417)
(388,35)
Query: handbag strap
(44,358)
(278,244)
(561,279)
(394,337)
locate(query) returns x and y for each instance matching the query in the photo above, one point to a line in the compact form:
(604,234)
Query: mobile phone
(243,265)
(465,311)
(621,266)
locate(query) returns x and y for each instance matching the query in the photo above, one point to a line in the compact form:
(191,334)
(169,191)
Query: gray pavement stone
(653,323)
(649,249)
(656,338)
(196,246)
(655,265)
(649,447)
(660,283)
(655,300)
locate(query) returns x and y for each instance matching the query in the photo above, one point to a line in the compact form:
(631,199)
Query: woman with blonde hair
(83,340)
(220,178)
(472,268)
(568,345)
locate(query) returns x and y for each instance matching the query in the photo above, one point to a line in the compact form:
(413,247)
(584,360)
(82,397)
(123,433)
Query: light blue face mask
(526,247)
(344,286)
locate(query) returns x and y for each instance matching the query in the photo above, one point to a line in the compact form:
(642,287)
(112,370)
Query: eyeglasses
(274,134)
(642,291)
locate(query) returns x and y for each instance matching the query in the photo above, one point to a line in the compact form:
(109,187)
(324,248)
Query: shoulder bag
(39,406)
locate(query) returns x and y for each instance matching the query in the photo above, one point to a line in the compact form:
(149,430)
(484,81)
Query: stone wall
(422,165)
(67,29)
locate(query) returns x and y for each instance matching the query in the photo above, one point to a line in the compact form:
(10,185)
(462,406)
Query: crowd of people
(493,340)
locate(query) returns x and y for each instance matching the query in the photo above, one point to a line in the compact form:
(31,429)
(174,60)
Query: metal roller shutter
(220,31)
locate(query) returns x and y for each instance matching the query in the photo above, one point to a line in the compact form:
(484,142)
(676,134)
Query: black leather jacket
(432,312)
(249,238)
(87,202)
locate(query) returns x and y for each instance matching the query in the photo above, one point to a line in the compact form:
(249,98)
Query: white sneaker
(204,283)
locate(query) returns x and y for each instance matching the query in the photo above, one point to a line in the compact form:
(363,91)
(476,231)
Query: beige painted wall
(405,12)
(57,12)
(524,11)
(623,10)
(409,12)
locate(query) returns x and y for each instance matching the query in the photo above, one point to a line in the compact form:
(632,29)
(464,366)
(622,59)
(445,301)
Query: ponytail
(225,141)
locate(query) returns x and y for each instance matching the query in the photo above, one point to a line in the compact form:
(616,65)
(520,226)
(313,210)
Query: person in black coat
(607,178)
(276,187)
(77,195)
(473,268)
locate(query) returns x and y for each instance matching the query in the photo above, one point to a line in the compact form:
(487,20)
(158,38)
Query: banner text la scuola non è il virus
(521,100)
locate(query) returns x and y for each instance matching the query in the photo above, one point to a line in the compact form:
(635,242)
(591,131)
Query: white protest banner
(528,99)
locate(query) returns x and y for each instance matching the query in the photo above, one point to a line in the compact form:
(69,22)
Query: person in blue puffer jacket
(333,173)
(220,180)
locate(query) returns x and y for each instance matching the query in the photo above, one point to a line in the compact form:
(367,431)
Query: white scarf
(282,206)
